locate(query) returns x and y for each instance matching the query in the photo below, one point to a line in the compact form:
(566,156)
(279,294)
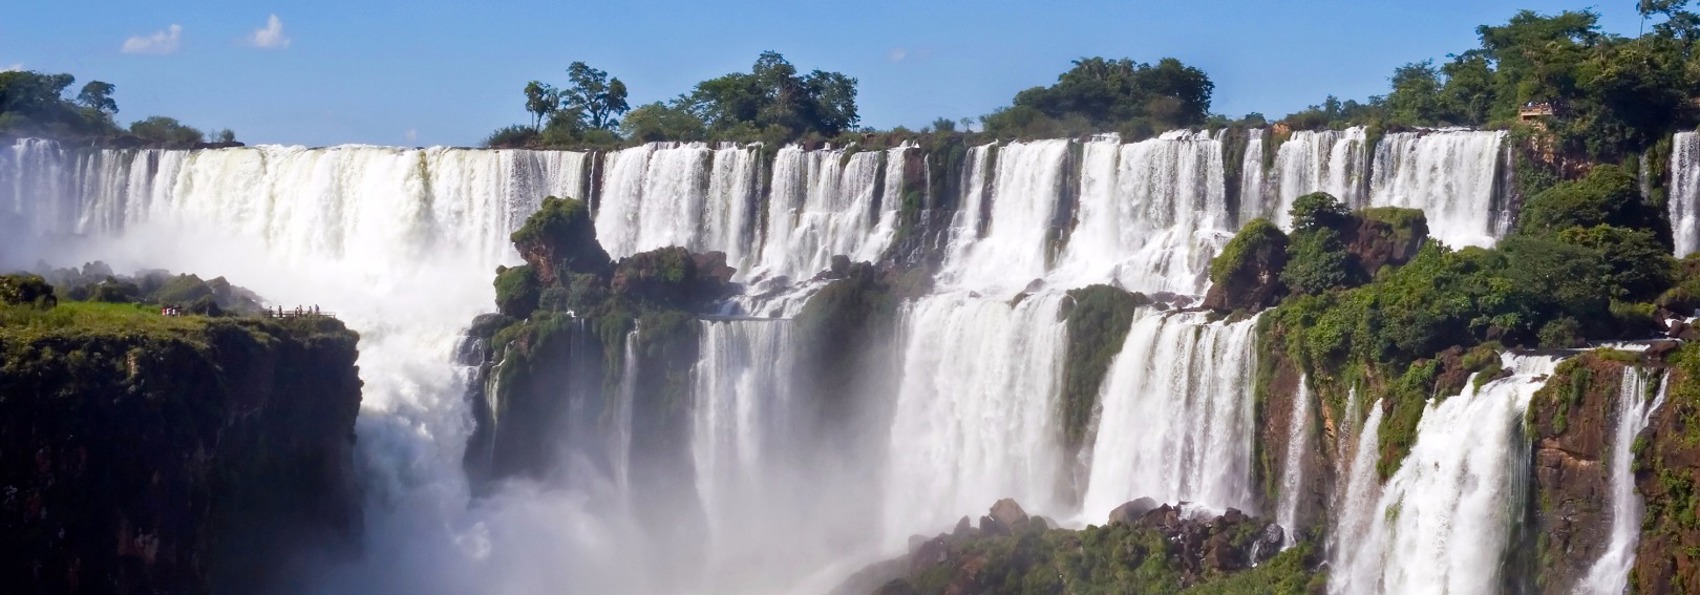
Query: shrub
(512,137)
(1316,261)
(27,290)
(1318,210)
(517,291)
(1257,237)
(1609,195)
(1561,333)
(115,292)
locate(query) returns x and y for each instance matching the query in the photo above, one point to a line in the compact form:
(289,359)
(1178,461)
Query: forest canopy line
(41,105)
(1600,96)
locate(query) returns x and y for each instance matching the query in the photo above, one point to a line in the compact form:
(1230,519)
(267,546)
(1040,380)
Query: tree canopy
(40,104)
(773,97)
(1099,94)
(1610,96)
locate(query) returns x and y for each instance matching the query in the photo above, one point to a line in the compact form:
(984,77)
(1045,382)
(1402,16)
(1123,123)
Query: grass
(26,323)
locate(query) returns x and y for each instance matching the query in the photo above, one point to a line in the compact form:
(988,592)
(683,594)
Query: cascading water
(667,194)
(1252,176)
(1443,520)
(1026,190)
(1177,422)
(1451,175)
(1685,192)
(1332,161)
(1292,470)
(401,243)
(975,415)
(1610,573)
(824,204)
(1152,214)
(1357,506)
(745,424)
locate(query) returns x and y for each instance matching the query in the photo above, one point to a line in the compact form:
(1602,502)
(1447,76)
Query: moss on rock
(1098,320)
(188,454)
(1247,274)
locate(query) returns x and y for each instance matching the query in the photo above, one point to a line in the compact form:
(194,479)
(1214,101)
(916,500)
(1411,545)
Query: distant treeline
(1603,97)
(41,105)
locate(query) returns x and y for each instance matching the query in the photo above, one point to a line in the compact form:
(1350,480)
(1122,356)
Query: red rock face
(1570,421)
(1667,473)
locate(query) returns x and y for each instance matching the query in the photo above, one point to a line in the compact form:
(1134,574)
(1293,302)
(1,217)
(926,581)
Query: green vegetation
(585,112)
(1258,236)
(27,290)
(1117,558)
(1589,259)
(1097,95)
(39,104)
(96,282)
(771,103)
(167,131)
(1609,97)
(565,320)
(223,440)
(842,334)
(1288,573)
(1099,319)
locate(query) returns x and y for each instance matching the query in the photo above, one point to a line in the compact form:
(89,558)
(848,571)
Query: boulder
(1130,512)
(1009,514)
(560,235)
(1247,274)
(1385,236)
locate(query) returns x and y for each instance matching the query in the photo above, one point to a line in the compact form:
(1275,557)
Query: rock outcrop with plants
(141,453)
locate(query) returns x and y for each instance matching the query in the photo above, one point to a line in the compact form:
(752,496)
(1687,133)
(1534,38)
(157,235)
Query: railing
(297,314)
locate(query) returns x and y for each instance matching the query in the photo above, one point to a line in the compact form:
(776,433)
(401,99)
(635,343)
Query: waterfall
(1252,176)
(1610,573)
(975,418)
(670,194)
(1450,175)
(625,410)
(1292,471)
(1443,520)
(1357,509)
(1026,189)
(824,205)
(299,203)
(401,243)
(1152,214)
(1176,422)
(968,225)
(1332,161)
(1685,192)
(742,422)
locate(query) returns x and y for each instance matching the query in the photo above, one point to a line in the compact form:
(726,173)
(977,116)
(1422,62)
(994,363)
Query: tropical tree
(773,97)
(598,99)
(97,96)
(540,100)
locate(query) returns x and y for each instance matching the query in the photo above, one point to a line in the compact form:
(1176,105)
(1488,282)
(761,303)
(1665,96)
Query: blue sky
(423,73)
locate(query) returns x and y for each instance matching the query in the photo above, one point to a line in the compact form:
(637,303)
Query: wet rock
(964,528)
(1009,514)
(1130,512)
(1247,275)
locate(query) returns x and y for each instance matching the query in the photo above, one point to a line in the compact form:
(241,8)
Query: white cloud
(13,68)
(412,135)
(161,42)
(897,54)
(270,36)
